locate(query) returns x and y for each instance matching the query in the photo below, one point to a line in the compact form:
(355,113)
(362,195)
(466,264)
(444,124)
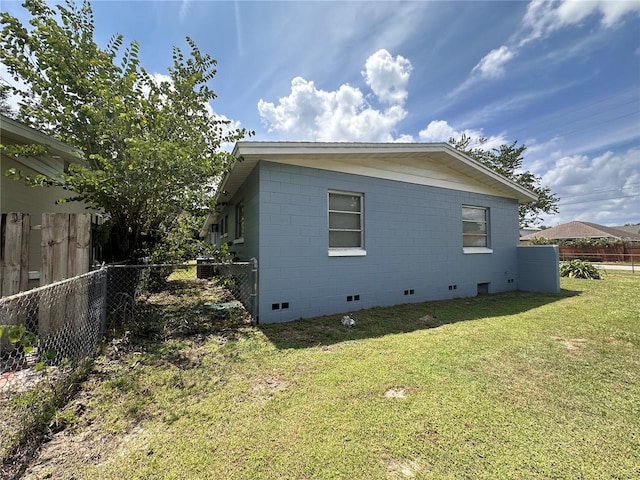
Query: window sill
(238,240)
(347,252)
(475,250)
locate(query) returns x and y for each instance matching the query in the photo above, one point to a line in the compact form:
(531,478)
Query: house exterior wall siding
(244,250)
(15,196)
(412,238)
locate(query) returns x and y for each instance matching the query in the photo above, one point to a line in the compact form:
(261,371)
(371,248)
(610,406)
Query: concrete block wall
(539,268)
(249,195)
(413,240)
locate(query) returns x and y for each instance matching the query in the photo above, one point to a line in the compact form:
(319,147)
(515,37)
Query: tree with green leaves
(151,144)
(507,161)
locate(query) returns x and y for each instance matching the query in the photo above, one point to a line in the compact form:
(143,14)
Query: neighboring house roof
(13,132)
(528,231)
(432,164)
(629,228)
(578,229)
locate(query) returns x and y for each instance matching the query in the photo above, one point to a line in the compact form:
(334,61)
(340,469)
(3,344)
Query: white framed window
(240,221)
(224,224)
(475,229)
(346,223)
(213,234)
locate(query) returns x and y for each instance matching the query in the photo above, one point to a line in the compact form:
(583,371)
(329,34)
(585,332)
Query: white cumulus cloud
(388,76)
(441,131)
(312,114)
(492,64)
(602,189)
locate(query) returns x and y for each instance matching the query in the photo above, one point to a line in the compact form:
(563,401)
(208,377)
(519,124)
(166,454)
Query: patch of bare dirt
(267,386)
(59,456)
(395,392)
(574,347)
(430,321)
(25,375)
(74,438)
(401,469)
(192,358)
(63,446)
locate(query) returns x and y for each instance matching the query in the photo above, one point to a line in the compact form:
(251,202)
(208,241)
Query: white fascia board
(532,197)
(50,164)
(331,148)
(46,165)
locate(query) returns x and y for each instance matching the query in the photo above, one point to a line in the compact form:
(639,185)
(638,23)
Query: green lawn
(506,386)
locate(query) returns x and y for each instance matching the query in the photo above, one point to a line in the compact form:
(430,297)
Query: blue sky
(561,77)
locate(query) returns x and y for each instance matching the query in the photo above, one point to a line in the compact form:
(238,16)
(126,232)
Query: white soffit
(51,164)
(14,132)
(432,164)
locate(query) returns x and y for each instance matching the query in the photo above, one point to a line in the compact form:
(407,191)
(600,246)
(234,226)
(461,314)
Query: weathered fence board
(15,248)
(55,247)
(79,244)
(66,248)
(14,262)
(79,262)
(55,259)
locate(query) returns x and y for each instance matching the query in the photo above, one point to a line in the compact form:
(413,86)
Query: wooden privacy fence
(14,252)
(65,248)
(65,253)
(623,252)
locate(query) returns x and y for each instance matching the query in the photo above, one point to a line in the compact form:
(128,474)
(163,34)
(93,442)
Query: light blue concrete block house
(338,227)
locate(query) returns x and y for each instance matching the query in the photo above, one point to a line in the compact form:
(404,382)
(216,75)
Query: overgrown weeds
(151,350)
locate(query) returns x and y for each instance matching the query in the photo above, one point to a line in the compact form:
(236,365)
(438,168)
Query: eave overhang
(434,164)
(421,163)
(17,133)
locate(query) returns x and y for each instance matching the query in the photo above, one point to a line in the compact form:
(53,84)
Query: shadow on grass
(381,321)
(167,324)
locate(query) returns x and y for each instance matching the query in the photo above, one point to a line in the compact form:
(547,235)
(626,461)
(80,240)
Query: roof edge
(295,148)
(32,135)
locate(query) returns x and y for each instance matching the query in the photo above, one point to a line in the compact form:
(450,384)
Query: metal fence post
(254,290)
(103,297)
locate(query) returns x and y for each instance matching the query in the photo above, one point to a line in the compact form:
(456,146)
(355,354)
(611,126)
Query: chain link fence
(62,323)
(47,333)
(50,326)
(132,288)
